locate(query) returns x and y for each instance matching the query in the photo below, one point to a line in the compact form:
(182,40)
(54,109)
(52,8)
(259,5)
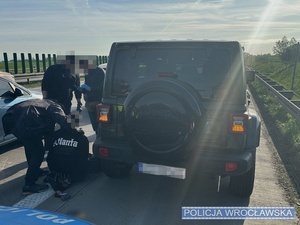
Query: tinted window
(204,69)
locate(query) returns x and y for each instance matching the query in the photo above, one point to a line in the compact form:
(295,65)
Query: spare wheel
(162,116)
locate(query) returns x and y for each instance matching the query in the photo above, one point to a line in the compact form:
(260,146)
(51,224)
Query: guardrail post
(54,58)
(49,60)
(44,62)
(15,63)
(103,59)
(97,60)
(6,62)
(23,63)
(37,61)
(30,63)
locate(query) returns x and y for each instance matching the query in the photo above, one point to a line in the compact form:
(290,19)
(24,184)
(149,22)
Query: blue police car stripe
(15,215)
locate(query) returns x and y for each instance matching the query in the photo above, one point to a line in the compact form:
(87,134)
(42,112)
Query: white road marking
(34,200)
(4,163)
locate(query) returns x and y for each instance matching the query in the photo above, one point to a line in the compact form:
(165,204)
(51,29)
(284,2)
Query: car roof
(177,41)
(12,80)
(7,75)
(180,44)
(103,66)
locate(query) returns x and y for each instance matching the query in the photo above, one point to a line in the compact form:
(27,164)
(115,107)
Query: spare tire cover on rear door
(162,116)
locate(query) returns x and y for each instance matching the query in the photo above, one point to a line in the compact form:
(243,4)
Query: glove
(86,87)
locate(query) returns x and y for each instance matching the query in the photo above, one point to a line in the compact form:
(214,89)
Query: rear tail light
(103,113)
(238,123)
(231,166)
(103,151)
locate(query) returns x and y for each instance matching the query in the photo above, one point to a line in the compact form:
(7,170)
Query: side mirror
(250,75)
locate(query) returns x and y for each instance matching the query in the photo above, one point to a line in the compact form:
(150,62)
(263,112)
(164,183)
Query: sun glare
(264,24)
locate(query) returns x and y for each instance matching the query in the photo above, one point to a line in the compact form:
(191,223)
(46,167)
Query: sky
(89,27)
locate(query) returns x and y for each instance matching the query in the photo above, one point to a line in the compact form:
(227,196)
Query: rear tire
(242,185)
(115,169)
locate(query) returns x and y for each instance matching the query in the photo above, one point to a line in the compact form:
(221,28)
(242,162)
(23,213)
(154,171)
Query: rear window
(204,69)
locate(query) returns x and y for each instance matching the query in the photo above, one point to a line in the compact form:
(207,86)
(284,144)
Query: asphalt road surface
(147,199)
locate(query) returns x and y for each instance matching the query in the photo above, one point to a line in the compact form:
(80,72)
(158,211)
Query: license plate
(162,170)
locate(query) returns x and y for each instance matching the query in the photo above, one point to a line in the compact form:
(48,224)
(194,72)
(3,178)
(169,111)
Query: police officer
(31,121)
(59,83)
(92,89)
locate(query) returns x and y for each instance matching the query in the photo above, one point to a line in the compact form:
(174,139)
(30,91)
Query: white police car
(12,93)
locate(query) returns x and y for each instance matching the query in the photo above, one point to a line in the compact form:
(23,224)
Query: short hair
(71,58)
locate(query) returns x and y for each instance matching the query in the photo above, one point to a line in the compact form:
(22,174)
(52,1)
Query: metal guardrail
(282,95)
(26,77)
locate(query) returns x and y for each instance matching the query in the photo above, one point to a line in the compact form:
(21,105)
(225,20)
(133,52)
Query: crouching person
(67,157)
(31,121)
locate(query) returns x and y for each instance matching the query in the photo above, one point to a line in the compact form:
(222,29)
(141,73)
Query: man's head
(73,119)
(69,60)
(86,65)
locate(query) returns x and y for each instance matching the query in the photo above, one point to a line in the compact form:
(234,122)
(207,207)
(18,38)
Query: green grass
(279,72)
(11,66)
(285,133)
(286,124)
(283,128)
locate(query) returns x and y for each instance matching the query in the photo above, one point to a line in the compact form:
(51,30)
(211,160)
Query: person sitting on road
(67,157)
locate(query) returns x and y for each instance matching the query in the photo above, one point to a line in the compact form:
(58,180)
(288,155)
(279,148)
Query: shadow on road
(148,199)
(11,184)
(10,146)
(10,171)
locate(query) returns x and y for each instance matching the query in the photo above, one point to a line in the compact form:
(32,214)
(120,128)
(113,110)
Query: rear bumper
(213,163)
(216,163)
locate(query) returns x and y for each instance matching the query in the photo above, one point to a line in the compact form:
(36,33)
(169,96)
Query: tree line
(287,50)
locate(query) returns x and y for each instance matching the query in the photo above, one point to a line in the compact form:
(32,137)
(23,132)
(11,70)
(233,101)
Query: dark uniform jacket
(60,84)
(94,79)
(68,153)
(33,118)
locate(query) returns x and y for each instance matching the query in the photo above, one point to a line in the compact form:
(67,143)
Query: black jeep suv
(172,102)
